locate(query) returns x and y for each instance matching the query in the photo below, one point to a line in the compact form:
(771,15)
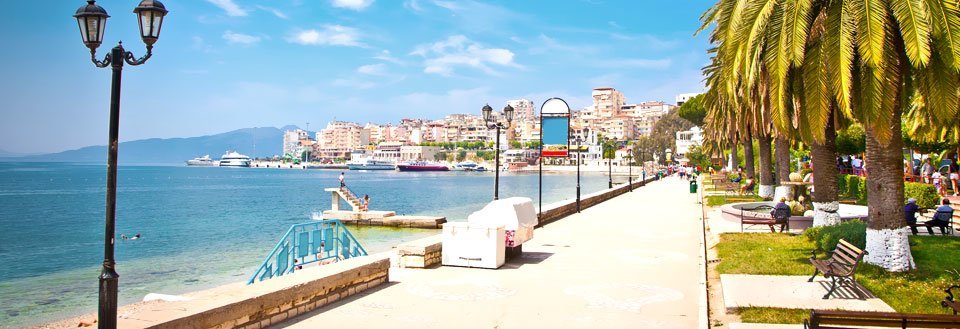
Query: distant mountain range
(255,142)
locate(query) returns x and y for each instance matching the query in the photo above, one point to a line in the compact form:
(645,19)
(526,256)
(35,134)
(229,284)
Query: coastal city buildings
(683,98)
(609,116)
(686,140)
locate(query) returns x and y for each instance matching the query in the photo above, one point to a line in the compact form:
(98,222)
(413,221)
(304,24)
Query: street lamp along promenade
(92,21)
(493,122)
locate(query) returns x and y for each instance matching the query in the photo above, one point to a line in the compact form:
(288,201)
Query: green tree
(852,140)
(693,110)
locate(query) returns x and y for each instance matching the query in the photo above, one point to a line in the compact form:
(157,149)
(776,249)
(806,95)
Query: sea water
(200,226)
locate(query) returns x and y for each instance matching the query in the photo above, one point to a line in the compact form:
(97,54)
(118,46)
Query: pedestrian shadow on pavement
(529,257)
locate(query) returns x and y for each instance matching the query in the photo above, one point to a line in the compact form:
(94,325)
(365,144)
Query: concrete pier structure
(357,216)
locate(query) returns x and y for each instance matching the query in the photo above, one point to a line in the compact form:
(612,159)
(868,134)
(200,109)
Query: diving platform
(356,215)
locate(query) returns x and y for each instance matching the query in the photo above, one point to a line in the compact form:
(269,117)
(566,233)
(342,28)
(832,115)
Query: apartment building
(343,135)
(523,110)
(607,102)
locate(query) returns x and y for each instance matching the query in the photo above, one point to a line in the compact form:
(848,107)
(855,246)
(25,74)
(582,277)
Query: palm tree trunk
(783,169)
(825,200)
(748,166)
(888,243)
(766,190)
(734,161)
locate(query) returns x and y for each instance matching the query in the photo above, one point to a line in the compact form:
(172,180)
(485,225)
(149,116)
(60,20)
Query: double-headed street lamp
(92,21)
(629,158)
(495,122)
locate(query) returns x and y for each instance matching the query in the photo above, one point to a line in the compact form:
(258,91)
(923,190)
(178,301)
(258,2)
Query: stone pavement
(791,291)
(635,261)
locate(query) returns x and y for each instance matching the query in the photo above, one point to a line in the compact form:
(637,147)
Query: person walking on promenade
(936,179)
(910,214)
(857,164)
(342,184)
(954,176)
(941,218)
(927,171)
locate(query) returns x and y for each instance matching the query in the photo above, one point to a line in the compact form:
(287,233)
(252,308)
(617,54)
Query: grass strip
(915,291)
(772,315)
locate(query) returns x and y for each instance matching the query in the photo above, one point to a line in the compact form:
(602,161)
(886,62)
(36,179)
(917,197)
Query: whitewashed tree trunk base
(783,191)
(766,191)
(889,249)
(825,213)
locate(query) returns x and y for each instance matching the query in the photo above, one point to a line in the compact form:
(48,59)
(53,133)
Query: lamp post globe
(92,21)
(150,15)
(508,113)
(487,113)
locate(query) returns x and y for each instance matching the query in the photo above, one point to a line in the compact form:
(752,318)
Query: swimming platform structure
(356,215)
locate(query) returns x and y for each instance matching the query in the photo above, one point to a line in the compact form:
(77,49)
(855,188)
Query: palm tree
(867,60)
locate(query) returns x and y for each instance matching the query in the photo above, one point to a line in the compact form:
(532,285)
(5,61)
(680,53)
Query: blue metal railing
(317,241)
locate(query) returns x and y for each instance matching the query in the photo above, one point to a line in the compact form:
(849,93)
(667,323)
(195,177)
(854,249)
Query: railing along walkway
(317,241)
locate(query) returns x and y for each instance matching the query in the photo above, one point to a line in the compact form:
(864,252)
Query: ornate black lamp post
(609,167)
(92,20)
(493,122)
(629,158)
(579,155)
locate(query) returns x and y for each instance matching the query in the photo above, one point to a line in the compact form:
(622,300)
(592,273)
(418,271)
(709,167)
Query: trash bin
(693,186)
(517,217)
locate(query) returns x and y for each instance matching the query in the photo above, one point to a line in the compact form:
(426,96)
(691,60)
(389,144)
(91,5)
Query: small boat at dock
(422,166)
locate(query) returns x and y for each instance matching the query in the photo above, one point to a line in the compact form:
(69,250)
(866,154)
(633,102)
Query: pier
(356,215)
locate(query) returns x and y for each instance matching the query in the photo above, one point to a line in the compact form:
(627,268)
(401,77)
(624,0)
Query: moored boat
(422,166)
(370,163)
(204,161)
(234,159)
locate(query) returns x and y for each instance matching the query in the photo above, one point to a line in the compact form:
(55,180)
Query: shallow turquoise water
(201,227)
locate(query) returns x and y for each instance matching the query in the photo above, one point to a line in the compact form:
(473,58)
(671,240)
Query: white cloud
(443,56)
(246,39)
(413,5)
(274,11)
(230,7)
(353,83)
(357,5)
(386,57)
(372,69)
(333,35)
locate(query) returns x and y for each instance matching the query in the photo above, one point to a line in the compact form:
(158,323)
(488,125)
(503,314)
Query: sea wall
(554,211)
(264,303)
(420,253)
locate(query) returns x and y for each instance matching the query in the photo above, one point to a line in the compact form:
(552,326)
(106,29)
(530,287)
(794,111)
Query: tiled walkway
(632,262)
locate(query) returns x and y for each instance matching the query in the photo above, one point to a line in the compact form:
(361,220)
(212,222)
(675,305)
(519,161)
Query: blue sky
(227,64)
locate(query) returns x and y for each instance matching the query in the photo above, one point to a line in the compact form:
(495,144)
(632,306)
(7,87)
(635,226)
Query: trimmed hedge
(855,187)
(926,194)
(825,238)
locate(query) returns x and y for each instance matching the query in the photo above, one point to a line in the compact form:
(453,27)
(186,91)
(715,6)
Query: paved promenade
(632,262)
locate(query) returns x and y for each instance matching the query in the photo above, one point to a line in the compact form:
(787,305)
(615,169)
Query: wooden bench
(841,267)
(771,222)
(848,319)
(950,302)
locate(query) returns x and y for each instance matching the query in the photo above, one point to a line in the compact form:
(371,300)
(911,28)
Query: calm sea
(200,227)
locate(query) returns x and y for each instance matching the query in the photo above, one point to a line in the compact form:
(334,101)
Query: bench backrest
(945,216)
(844,319)
(848,255)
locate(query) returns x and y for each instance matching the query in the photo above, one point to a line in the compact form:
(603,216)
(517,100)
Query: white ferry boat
(370,163)
(204,161)
(234,159)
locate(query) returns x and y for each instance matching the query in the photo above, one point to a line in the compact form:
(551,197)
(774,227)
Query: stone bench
(421,253)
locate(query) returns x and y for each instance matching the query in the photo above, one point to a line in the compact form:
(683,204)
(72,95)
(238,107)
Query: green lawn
(717,200)
(772,315)
(916,291)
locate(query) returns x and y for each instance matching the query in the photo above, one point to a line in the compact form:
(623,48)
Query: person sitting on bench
(910,214)
(941,218)
(780,213)
(747,187)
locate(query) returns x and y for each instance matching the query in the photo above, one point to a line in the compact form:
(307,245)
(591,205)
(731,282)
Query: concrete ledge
(420,253)
(558,210)
(264,303)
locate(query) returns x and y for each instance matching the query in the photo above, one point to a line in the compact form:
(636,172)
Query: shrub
(842,184)
(925,194)
(825,238)
(855,188)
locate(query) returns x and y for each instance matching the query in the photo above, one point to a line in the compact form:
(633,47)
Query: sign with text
(555,126)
